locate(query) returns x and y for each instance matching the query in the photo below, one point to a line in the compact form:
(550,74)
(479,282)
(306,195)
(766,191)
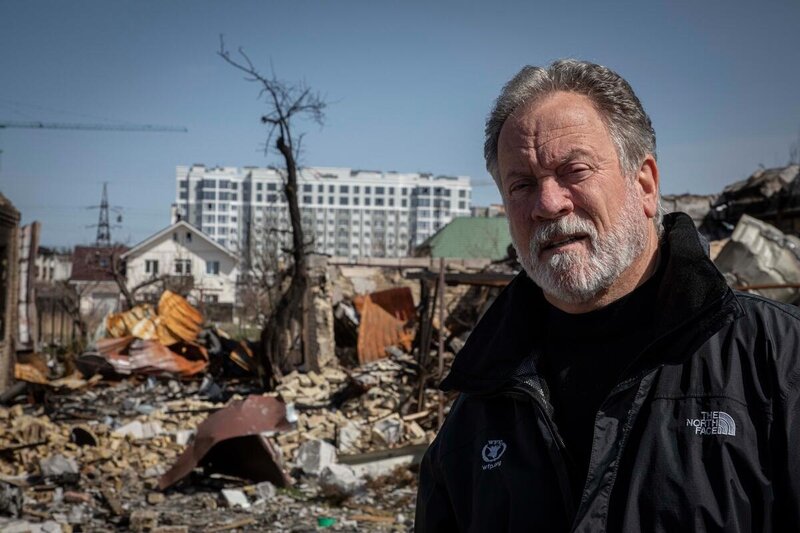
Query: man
(618,384)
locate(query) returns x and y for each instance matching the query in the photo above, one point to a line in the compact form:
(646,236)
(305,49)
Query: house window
(212,267)
(151,266)
(188,237)
(211,298)
(183,266)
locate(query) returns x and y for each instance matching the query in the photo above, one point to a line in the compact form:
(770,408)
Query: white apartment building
(345,213)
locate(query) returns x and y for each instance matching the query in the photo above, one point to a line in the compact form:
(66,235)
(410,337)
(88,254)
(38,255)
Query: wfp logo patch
(713,423)
(492,452)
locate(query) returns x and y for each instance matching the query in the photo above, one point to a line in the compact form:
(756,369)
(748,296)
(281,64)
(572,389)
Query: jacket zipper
(562,461)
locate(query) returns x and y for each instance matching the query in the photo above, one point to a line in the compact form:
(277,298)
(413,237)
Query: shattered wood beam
(482,279)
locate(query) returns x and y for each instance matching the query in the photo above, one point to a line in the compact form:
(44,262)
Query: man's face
(577,222)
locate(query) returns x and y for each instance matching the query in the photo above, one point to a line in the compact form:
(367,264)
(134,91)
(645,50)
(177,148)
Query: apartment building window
(391,202)
(183,266)
(272,198)
(331,200)
(391,190)
(367,190)
(183,184)
(344,189)
(272,187)
(331,188)
(380,190)
(307,199)
(320,199)
(184,195)
(403,203)
(209,184)
(462,205)
(356,189)
(259,197)
(367,201)
(151,266)
(210,207)
(378,201)
(259,186)
(356,200)
(343,200)
(307,187)
(212,267)
(462,193)
(224,184)
(209,195)
(320,188)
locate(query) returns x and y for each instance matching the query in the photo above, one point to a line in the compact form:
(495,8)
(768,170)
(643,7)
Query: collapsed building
(771,195)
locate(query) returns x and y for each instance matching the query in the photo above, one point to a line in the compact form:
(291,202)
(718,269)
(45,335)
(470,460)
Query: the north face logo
(713,423)
(491,453)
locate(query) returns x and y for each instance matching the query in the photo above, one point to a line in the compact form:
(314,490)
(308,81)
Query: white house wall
(175,245)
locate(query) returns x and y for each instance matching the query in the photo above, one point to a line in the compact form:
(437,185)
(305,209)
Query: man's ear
(647,180)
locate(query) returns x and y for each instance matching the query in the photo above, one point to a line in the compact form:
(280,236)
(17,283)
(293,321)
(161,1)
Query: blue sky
(409,85)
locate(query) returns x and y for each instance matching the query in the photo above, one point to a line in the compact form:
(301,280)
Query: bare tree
(284,338)
(117,269)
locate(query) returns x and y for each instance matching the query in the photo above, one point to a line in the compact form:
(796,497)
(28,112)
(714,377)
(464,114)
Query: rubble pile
(95,460)
(368,405)
(164,427)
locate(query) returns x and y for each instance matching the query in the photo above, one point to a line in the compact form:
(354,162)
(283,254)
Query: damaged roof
(469,238)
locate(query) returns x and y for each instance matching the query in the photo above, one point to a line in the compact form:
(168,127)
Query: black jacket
(702,432)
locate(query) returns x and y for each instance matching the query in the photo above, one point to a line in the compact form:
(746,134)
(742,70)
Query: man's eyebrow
(573,154)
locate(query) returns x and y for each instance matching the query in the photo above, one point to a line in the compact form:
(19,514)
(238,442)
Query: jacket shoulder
(777,326)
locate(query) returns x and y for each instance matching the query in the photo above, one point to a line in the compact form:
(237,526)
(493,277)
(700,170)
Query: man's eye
(576,171)
(519,186)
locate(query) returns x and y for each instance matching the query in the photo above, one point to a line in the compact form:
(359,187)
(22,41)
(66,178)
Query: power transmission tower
(103,227)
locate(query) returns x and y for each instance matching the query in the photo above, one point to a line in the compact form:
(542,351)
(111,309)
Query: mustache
(559,229)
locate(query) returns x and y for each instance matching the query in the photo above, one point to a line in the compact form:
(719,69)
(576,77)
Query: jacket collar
(693,299)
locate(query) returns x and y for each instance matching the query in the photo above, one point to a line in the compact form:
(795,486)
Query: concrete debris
(760,256)
(347,437)
(340,480)
(23,526)
(265,490)
(57,465)
(314,455)
(235,498)
(10,500)
(388,431)
(139,430)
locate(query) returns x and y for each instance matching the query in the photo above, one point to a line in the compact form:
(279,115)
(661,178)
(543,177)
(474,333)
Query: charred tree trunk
(284,337)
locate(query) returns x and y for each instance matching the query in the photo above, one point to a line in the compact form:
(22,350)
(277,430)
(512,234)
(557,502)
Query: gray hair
(629,126)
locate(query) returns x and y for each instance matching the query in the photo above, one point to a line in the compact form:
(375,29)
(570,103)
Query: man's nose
(552,201)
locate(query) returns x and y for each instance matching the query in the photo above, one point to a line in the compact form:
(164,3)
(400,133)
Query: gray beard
(577,278)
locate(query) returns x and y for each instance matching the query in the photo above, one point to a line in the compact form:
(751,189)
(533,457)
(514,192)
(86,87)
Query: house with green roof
(469,238)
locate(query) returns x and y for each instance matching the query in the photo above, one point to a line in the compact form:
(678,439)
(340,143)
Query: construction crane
(77,126)
(4,124)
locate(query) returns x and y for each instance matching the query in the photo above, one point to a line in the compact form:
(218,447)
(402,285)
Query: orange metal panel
(384,319)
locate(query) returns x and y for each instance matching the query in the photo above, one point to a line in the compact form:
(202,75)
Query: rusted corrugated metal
(385,317)
(129,355)
(177,319)
(234,441)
